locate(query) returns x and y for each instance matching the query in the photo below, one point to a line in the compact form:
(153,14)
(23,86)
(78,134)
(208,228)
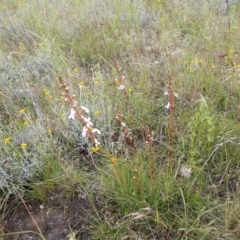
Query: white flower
(185,171)
(168,105)
(97,143)
(72,114)
(121,87)
(84,131)
(175,95)
(95,130)
(87,121)
(123,124)
(85,109)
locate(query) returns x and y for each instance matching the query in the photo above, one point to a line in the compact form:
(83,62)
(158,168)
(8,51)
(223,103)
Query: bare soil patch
(59,218)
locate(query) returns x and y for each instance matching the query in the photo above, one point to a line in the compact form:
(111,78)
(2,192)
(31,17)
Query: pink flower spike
(72,114)
(85,109)
(95,130)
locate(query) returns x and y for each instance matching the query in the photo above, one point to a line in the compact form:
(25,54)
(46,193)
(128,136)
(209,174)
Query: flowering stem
(139,184)
(170,127)
(120,80)
(151,160)
(88,131)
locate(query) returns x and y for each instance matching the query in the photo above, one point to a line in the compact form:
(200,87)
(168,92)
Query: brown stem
(30,214)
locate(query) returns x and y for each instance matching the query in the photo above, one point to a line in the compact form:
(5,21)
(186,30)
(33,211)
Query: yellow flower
(191,69)
(97,112)
(113,159)
(22,110)
(96,82)
(46,91)
(23,145)
(62,115)
(25,122)
(81,83)
(6,140)
(130,90)
(76,70)
(95,149)
(49,130)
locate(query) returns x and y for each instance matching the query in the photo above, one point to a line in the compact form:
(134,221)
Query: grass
(164,165)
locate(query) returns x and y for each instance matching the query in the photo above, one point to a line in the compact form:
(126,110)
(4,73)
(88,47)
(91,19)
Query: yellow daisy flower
(6,140)
(23,145)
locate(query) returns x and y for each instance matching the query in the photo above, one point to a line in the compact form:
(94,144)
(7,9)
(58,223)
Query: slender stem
(30,214)
(170,127)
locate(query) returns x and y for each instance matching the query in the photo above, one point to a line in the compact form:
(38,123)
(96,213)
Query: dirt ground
(60,218)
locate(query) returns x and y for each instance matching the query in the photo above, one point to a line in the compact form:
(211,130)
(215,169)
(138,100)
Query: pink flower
(72,114)
(123,124)
(175,95)
(95,130)
(168,105)
(121,87)
(84,131)
(85,109)
(97,143)
(87,121)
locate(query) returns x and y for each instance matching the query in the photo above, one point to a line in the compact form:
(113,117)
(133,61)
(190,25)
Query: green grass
(141,187)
